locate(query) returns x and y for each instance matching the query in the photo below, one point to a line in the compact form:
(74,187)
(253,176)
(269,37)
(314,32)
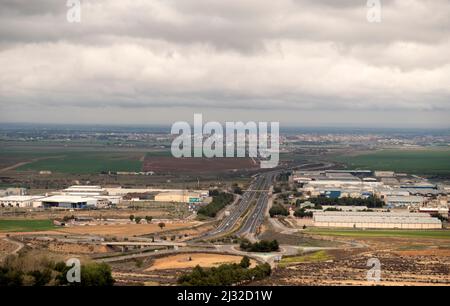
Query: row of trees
(302,213)
(138,219)
(225,275)
(261,246)
(220,200)
(371,201)
(30,270)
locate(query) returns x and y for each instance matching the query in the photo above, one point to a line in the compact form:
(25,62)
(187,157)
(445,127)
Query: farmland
(85,162)
(167,164)
(416,161)
(25,225)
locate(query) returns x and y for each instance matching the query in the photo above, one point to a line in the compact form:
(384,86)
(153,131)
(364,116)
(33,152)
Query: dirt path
(26,163)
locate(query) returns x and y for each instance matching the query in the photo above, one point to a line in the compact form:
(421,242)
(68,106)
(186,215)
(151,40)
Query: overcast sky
(300,62)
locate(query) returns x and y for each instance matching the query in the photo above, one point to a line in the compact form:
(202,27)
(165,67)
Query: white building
(380,220)
(403,201)
(20,201)
(80,190)
(70,202)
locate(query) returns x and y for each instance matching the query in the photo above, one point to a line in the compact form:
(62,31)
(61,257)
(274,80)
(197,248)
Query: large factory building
(385,220)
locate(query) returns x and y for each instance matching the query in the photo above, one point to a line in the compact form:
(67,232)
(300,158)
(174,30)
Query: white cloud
(205,55)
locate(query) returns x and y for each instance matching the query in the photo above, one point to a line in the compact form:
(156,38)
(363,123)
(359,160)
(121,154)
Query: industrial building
(12,191)
(403,201)
(80,190)
(71,202)
(381,220)
(20,201)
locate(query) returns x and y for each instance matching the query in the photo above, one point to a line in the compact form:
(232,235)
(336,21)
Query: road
(257,214)
(256,193)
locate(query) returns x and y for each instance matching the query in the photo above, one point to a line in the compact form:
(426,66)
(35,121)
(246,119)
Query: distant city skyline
(303,63)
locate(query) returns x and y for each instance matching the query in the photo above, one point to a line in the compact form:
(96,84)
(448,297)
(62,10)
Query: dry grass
(181,261)
(123,230)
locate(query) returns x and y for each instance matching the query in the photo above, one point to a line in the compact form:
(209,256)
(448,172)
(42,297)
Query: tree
(131,217)
(161,225)
(148,218)
(96,274)
(278,210)
(137,220)
(245,262)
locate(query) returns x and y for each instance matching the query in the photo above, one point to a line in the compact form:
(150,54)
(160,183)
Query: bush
(40,271)
(220,200)
(301,213)
(224,275)
(278,210)
(261,246)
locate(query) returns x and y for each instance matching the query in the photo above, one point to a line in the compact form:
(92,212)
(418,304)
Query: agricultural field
(85,163)
(312,257)
(25,225)
(168,164)
(438,234)
(432,161)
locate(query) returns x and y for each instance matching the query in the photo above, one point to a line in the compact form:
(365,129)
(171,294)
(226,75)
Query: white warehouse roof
(375,217)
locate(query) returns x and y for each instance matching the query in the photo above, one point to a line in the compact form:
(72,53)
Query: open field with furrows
(404,261)
(431,161)
(168,164)
(125,230)
(86,162)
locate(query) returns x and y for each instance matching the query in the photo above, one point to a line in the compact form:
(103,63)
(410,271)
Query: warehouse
(69,202)
(80,190)
(20,201)
(381,220)
(403,201)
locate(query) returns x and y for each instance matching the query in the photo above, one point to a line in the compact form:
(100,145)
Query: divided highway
(258,193)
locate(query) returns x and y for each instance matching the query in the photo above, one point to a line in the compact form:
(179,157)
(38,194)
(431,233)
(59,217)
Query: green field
(439,234)
(312,257)
(85,162)
(25,225)
(423,161)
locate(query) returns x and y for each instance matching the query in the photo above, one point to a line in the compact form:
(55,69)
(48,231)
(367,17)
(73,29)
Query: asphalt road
(255,200)
(257,214)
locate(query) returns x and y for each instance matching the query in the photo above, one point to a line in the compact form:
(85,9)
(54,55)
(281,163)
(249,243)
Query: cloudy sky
(300,62)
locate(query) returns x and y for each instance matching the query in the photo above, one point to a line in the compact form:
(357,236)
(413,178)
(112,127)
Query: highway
(256,193)
(257,214)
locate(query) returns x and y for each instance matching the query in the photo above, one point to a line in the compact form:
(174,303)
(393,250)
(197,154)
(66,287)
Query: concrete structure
(80,190)
(443,211)
(345,207)
(179,196)
(119,191)
(403,201)
(69,202)
(384,173)
(12,191)
(20,201)
(381,220)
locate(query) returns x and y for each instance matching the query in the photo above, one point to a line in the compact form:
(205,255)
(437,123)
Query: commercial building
(12,191)
(403,201)
(70,202)
(20,201)
(80,190)
(382,220)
